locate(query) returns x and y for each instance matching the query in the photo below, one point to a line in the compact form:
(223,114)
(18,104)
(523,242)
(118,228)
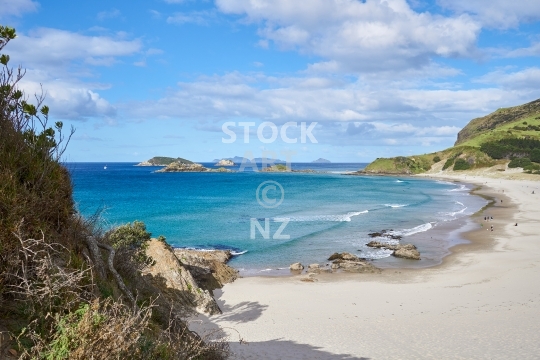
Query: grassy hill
(509,133)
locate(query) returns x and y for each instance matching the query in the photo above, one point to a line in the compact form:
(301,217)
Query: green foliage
(519,162)
(535,155)
(66,337)
(133,238)
(34,186)
(449,162)
(436,159)
(461,164)
(129,235)
(511,147)
(495,125)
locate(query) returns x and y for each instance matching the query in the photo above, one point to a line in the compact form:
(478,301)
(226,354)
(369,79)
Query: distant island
(163,161)
(241,159)
(321,161)
(225,162)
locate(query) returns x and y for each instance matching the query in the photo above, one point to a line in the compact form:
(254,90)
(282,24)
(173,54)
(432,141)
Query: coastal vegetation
(505,135)
(70,289)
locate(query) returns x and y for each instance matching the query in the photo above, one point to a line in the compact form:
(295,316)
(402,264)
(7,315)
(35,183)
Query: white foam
(461,188)
(414,230)
(396,205)
(337,218)
(234,253)
(453,214)
(375,253)
(399,181)
(445,182)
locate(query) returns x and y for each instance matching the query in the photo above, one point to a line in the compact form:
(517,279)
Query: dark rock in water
(385,233)
(407,251)
(343,256)
(334,256)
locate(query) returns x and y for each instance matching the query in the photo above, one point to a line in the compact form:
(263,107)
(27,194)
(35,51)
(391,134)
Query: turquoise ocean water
(326,212)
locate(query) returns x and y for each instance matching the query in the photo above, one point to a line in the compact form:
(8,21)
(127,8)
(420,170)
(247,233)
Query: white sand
(480,304)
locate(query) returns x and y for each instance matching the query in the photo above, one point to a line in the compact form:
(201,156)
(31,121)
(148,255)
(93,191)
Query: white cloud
(59,60)
(53,47)
(497,13)
(359,36)
(16,7)
(533,50)
(69,99)
(358,107)
(527,79)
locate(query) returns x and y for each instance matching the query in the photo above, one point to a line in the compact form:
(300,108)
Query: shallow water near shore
(322,212)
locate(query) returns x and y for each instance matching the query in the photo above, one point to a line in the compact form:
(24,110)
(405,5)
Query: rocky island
(163,161)
(193,167)
(225,162)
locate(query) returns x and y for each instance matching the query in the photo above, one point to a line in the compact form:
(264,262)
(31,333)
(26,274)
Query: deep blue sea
(323,213)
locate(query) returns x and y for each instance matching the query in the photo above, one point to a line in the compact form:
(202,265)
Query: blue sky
(380,77)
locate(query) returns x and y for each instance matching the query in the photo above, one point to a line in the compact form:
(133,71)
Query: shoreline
(481,302)
(456,232)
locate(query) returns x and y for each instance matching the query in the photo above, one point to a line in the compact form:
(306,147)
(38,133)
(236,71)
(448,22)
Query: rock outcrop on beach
(296,267)
(351,263)
(407,251)
(174,281)
(225,162)
(209,268)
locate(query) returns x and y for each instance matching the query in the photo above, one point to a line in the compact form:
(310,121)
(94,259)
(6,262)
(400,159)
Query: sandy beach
(483,302)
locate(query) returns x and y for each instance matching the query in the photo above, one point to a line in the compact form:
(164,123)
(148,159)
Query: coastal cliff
(495,139)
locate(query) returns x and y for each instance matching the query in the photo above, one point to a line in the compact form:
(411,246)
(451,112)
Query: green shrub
(461,164)
(132,238)
(535,155)
(448,163)
(519,162)
(436,159)
(532,167)
(513,147)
